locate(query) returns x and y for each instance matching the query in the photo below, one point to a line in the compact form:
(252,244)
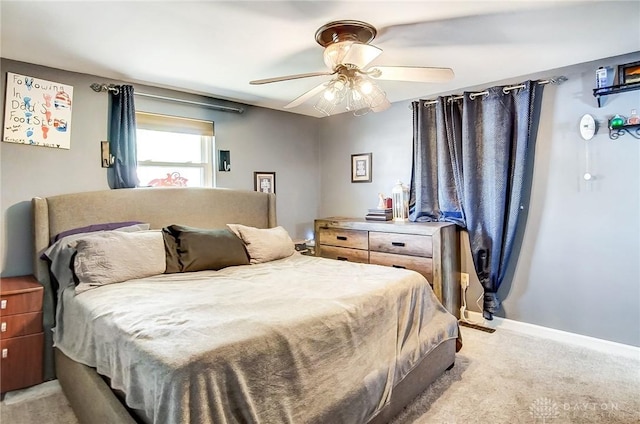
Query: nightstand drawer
(344,254)
(20,325)
(344,238)
(403,244)
(20,303)
(422,265)
(21,362)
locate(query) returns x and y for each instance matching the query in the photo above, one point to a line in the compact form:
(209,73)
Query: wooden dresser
(21,336)
(428,248)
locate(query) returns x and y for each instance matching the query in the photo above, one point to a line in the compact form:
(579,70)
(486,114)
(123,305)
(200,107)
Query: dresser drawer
(422,265)
(354,239)
(403,244)
(344,254)
(20,303)
(21,362)
(20,324)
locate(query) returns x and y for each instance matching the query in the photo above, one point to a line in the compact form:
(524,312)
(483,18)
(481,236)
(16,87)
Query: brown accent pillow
(171,252)
(264,244)
(201,249)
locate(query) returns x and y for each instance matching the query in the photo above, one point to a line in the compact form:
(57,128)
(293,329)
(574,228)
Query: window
(174,151)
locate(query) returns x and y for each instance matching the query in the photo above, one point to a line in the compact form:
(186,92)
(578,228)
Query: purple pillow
(93,228)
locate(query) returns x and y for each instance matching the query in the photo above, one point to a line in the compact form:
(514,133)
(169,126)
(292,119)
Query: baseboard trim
(601,345)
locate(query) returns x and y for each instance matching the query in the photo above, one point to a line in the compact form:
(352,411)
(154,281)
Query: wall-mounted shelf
(633,130)
(598,93)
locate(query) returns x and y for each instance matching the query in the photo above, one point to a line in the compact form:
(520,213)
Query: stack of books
(379,214)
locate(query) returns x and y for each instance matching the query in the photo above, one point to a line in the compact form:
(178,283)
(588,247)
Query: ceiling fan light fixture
(376,97)
(356,101)
(349,56)
(349,53)
(324,106)
(336,90)
(356,93)
(334,53)
(365,86)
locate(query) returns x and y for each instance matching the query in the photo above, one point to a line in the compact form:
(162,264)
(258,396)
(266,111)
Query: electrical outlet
(464,280)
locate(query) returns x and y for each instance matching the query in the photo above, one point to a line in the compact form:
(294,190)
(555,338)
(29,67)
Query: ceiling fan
(347,54)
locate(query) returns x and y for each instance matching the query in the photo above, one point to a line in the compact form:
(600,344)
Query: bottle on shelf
(601,77)
(634,119)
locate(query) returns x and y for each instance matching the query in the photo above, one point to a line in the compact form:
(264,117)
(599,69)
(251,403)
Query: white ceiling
(216,47)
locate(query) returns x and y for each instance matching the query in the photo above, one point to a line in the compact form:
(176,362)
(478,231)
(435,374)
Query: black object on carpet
(477,327)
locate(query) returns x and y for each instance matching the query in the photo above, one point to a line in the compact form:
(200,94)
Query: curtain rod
(505,90)
(112,87)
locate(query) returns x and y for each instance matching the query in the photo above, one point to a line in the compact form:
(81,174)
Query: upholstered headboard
(196,207)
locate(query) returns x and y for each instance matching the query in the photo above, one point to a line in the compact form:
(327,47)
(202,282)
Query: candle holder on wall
(224,160)
(105,157)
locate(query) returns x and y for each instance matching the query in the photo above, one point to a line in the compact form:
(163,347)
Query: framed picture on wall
(361,168)
(264,182)
(629,73)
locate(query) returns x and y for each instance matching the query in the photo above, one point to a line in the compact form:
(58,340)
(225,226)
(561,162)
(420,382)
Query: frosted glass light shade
(324,106)
(335,53)
(349,52)
(357,94)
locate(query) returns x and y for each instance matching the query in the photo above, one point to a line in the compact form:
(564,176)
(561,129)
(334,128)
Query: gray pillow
(200,249)
(109,257)
(61,253)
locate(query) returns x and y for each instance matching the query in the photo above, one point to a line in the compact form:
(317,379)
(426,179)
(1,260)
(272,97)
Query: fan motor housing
(334,32)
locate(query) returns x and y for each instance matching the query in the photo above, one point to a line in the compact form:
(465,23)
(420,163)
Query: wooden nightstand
(21,334)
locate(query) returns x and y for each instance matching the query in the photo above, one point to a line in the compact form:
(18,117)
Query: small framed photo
(629,73)
(361,168)
(264,182)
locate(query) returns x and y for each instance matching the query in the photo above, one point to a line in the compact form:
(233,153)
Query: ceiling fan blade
(411,73)
(289,77)
(361,54)
(306,96)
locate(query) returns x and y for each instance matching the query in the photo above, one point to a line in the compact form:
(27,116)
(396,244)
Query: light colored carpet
(504,377)
(40,404)
(508,377)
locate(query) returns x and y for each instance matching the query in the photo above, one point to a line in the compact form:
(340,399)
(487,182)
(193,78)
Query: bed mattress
(301,339)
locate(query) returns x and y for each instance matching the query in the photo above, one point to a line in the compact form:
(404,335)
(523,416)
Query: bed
(297,339)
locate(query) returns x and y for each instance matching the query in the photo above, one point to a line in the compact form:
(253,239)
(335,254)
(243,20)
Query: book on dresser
(379,214)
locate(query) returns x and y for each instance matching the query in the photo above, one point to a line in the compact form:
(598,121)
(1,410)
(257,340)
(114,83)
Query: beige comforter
(298,340)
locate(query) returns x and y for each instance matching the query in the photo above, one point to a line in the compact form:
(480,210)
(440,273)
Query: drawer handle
(342,258)
(3,304)
(341,237)
(399,266)
(3,327)
(5,353)
(397,244)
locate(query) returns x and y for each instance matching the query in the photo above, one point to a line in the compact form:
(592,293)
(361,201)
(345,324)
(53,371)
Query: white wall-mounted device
(587,127)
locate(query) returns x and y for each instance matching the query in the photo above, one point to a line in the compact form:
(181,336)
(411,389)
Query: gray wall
(259,140)
(579,268)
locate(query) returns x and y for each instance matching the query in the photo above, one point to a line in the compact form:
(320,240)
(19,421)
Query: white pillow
(264,245)
(113,257)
